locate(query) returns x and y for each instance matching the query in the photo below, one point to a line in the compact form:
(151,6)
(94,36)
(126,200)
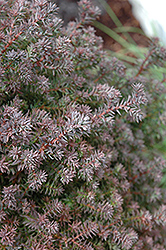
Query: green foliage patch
(78,166)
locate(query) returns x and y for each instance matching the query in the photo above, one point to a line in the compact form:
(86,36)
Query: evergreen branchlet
(78,169)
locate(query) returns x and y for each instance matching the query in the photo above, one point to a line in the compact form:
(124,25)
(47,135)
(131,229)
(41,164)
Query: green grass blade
(129,29)
(112,34)
(115,19)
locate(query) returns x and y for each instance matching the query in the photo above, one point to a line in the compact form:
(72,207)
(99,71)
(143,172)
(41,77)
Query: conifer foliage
(77,165)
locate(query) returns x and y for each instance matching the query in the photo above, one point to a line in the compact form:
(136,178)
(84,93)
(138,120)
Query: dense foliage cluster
(78,169)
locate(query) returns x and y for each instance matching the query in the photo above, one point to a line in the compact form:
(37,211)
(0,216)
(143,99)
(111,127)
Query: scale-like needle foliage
(77,165)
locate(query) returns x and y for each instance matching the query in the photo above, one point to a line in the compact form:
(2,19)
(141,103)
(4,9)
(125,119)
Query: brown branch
(140,174)
(44,146)
(10,42)
(101,76)
(143,63)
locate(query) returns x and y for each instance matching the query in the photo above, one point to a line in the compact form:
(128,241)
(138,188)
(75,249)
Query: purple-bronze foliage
(78,169)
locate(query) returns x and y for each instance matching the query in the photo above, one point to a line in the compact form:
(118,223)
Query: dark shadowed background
(123,10)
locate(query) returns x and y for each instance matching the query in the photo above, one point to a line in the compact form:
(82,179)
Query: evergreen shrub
(78,167)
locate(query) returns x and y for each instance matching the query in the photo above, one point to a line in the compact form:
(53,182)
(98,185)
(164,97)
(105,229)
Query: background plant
(76,170)
(122,35)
